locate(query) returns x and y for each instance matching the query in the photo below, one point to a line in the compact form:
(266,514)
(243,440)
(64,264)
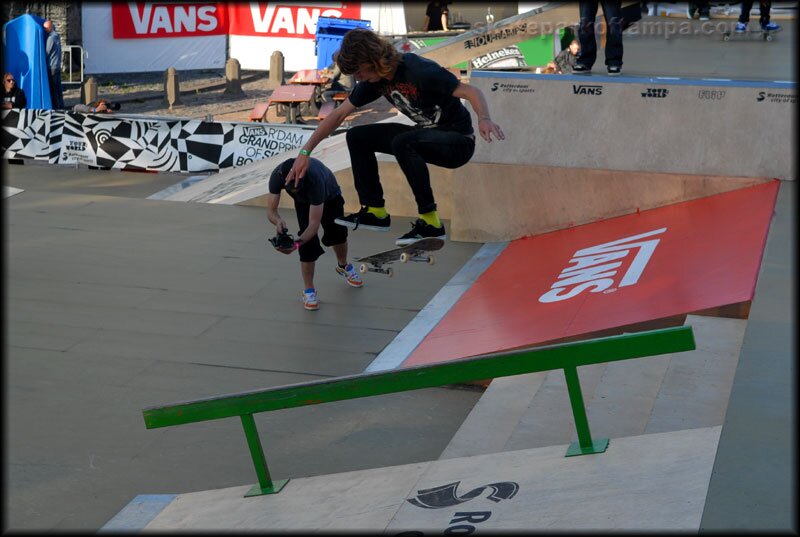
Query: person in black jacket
(13,96)
(435,17)
(566,59)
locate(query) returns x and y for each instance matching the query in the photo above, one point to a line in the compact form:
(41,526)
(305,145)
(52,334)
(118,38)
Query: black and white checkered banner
(127,142)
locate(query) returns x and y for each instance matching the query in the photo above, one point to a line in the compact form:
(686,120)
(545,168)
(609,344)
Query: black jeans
(612,11)
(763,8)
(413,147)
(56,94)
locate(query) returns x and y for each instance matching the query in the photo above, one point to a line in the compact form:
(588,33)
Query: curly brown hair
(361,46)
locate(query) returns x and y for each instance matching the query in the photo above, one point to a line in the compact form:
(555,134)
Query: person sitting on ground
(102,106)
(565,61)
(318,202)
(13,96)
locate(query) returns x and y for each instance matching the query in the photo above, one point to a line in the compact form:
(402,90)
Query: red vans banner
(280,20)
(144,20)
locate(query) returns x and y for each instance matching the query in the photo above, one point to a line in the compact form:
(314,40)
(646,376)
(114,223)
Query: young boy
(318,202)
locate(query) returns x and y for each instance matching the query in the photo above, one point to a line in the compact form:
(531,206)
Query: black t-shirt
(422,90)
(16,97)
(434,13)
(317,186)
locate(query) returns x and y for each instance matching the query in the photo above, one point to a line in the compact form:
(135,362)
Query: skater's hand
(487,127)
(298,170)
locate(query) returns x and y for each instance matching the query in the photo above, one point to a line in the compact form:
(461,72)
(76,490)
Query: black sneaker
(614,70)
(421,230)
(579,69)
(365,219)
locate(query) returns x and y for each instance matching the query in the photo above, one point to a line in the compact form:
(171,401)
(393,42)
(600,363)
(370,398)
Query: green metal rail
(566,356)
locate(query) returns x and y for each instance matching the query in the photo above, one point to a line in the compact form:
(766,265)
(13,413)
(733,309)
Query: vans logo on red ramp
(597,268)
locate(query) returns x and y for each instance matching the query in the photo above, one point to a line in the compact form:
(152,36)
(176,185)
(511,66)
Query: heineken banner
(134,143)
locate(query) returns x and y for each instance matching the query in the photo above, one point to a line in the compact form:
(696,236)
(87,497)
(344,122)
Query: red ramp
(659,263)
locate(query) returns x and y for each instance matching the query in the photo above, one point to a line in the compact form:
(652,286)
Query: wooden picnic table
(294,96)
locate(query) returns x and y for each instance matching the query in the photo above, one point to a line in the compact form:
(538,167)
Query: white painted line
(9,191)
(434,311)
(138,513)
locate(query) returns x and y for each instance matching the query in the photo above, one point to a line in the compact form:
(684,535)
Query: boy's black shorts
(332,233)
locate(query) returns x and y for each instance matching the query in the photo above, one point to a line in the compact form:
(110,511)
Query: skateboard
(411,252)
(766,35)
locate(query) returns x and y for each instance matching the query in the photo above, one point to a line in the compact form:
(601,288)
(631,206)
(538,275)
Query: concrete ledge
(642,124)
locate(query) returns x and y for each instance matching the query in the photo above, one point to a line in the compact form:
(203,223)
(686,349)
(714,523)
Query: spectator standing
(435,17)
(703,7)
(763,19)
(53,51)
(13,96)
(612,11)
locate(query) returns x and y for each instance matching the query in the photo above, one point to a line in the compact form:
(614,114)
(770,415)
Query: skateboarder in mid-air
(443,135)
(318,202)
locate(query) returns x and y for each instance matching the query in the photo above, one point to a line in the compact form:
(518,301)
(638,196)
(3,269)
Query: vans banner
(144,20)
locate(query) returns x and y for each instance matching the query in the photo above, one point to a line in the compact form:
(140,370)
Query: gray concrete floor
(115,303)
(669,46)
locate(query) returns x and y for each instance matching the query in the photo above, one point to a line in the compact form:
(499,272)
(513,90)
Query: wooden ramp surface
(649,482)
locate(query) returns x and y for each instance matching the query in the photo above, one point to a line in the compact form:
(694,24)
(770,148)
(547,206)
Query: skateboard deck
(410,252)
(766,35)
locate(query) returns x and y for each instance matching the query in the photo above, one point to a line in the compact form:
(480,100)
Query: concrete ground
(116,303)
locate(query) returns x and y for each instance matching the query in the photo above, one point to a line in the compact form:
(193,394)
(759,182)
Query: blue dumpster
(330,32)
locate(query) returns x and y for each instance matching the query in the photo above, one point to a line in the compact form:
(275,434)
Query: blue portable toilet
(330,32)
(24,57)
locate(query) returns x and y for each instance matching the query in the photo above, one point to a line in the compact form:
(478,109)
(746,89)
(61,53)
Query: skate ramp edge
(551,173)
(648,482)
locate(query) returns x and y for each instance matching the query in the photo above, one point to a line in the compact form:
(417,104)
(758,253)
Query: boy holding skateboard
(318,202)
(443,135)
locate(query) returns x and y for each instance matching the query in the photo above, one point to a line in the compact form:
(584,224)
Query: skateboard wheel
(390,272)
(726,37)
(362,269)
(431,260)
(768,37)
(404,257)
